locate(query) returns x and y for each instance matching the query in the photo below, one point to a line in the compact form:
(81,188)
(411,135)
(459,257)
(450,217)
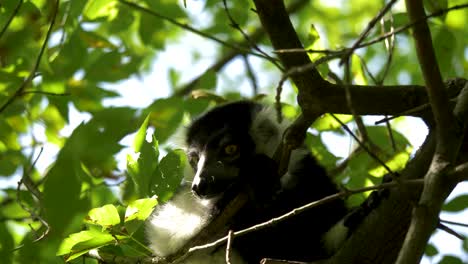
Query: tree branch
(32,74)
(364,34)
(10,18)
(448,137)
(325,200)
(387,224)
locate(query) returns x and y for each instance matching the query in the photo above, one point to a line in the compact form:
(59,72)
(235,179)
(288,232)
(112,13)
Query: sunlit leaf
(140,137)
(137,212)
(327,122)
(141,168)
(100,8)
(80,243)
(321,152)
(105,216)
(140,209)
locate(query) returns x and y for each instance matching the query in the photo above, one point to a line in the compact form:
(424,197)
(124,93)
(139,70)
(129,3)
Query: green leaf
(141,167)
(396,163)
(140,209)
(357,70)
(313,35)
(10,160)
(111,67)
(445,46)
(140,136)
(451,260)
(74,13)
(166,116)
(400,20)
(105,216)
(435,5)
(431,250)
(6,244)
(137,212)
(81,243)
(457,204)
(207,81)
(320,151)
(123,21)
(328,123)
(168,178)
(196,106)
(380,136)
(72,56)
(100,8)
(174,78)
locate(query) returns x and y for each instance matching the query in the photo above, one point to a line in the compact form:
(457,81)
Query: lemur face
(217,162)
(219,143)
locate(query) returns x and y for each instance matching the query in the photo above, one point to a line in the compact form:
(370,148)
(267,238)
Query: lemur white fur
(173,224)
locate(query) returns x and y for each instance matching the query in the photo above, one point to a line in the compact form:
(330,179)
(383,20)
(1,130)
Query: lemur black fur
(230,149)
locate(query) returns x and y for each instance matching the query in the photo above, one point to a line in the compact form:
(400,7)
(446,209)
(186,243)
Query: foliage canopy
(94,186)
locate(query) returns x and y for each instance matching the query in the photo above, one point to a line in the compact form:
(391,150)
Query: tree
(354,58)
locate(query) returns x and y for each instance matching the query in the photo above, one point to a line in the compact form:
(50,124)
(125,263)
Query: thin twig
(252,44)
(409,25)
(298,70)
(409,112)
(367,30)
(363,146)
(27,172)
(26,179)
(349,101)
(451,231)
(250,74)
(44,93)
(228,247)
(330,198)
(227,57)
(377,39)
(459,173)
(453,223)
(32,74)
(10,18)
(193,30)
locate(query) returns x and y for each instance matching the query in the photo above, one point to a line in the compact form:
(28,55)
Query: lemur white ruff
(230,148)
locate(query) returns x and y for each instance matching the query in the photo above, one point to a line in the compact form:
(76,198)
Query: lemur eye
(231,149)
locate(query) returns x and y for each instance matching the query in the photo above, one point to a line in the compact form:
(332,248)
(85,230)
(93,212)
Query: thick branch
(387,225)
(316,95)
(275,21)
(430,69)
(437,185)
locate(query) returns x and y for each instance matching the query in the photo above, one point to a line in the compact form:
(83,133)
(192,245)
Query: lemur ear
(266,132)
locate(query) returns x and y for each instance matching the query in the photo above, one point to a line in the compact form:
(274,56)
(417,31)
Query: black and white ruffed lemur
(230,149)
